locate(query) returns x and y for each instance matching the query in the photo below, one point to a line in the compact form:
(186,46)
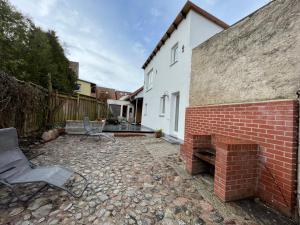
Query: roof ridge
(180,16)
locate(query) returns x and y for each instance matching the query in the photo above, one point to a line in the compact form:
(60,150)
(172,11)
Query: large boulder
(50,135)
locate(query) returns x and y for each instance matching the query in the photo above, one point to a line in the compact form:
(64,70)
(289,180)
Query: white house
(121,109)
(128,107)
(167,70)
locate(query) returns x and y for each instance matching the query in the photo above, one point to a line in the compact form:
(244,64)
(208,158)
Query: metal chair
(90,131)
(16,169)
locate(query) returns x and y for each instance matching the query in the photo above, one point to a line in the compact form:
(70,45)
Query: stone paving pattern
(131,180)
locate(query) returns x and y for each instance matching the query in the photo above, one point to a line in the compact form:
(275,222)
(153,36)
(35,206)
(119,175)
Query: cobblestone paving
(129,185)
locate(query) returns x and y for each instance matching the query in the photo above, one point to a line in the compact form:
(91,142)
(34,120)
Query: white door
(175,114)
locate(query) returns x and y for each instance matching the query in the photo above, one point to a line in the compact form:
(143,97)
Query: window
(174,54)
(149,79)
(124,111)
(93,88)
(77,87)
(145,109)
(162,105)
(115,110)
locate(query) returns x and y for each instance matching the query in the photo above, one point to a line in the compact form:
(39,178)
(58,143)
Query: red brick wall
(273,126)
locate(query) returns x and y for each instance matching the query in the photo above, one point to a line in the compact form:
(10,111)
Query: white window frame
(145,109)
(149,79)
(174,54)
(162,108)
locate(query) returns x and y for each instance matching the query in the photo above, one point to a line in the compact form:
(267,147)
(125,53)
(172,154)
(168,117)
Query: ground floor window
(115,110)
(176,112)
(124,111)
(162,110)
(145,109)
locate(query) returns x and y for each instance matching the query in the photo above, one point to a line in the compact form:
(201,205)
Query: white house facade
(121,109)
(167,71)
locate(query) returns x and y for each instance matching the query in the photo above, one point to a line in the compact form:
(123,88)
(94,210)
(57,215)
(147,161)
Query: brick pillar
(236,171)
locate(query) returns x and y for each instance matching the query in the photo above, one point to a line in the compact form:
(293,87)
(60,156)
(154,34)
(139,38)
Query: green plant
(22,105)
(29,53)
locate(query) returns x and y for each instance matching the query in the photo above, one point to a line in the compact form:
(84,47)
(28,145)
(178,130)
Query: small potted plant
(158,133)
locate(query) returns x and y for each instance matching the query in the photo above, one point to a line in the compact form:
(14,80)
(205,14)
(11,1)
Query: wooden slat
(206,157)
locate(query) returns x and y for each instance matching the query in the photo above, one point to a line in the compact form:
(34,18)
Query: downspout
(298,161)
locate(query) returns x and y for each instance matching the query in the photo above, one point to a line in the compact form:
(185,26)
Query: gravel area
(132,181)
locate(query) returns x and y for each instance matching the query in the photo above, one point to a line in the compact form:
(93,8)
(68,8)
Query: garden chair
(16,169)
(90,131)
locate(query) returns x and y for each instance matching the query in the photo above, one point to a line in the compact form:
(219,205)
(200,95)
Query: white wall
(201,29)
(176,78)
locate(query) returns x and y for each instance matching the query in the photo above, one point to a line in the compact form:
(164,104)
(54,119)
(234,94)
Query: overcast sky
(111,39)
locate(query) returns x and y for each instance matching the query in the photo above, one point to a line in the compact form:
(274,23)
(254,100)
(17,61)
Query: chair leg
(99,138)
(71,192)
(45,186)
(86,135)
(24,200)
(111,138)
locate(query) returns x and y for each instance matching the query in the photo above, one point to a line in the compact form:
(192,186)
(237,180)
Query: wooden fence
(66,107)
(28,108)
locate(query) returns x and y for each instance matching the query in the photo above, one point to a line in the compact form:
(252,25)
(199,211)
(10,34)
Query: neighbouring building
(85,88)
(128,107)
(103,93)
(168,69)
(121,110)
(75,67)
(82,86)
(136,98)
(244,107)
(120,94)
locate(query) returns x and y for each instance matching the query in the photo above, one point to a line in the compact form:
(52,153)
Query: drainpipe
(298,163)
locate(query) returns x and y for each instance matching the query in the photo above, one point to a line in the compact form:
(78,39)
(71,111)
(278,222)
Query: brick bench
(235,161)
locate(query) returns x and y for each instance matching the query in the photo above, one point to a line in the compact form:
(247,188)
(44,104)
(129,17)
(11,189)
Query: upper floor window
(77,87)
(93,88)
(174,54)
(149,79)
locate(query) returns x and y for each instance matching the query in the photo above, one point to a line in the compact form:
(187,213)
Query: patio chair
(16,169)
(90,131)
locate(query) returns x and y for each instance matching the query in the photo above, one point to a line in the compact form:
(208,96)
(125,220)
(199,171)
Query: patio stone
(78,216)
(42,211)
(16,211)
(131,182)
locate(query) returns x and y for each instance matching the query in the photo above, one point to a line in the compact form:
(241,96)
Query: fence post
(77,107)
(98,109)
(49,113)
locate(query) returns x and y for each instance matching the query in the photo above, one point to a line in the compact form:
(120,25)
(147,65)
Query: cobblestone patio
(132,182)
